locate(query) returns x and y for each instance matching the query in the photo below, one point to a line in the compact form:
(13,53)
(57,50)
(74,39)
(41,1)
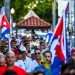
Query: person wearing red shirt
(10,59)
(2,63)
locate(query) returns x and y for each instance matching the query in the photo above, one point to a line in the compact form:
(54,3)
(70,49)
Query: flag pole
(54,13)
(64,29)
(10,33)
(65,16)
(7,11)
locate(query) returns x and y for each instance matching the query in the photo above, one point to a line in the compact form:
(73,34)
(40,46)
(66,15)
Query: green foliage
(43,8)
(1,3)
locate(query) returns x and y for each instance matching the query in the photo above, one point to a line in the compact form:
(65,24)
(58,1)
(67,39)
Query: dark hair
(10,72)
(47,52)
(36,49)
(68,69)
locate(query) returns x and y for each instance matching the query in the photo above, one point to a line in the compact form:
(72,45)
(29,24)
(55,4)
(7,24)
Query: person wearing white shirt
(25,62)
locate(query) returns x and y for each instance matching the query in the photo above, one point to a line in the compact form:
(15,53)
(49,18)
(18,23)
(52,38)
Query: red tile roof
(33,22)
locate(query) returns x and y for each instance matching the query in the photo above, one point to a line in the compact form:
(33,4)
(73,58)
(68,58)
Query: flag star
(4,23)
(7,35)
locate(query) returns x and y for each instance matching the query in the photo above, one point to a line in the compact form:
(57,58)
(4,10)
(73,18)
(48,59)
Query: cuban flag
(4,28)
(58,46)
(48,36)
(57,40)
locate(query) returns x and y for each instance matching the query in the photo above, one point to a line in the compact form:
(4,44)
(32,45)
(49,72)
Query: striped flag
(66,19)
(57,39)
(58,45)
(48,36)
(58,42)
(5,28)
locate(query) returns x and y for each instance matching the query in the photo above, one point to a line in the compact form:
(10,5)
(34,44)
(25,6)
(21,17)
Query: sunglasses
(37,53)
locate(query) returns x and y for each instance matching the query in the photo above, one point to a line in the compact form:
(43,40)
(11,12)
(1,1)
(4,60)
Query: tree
(43,8)
(1,3)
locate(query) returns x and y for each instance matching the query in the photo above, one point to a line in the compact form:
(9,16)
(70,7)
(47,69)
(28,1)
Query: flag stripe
(5,30)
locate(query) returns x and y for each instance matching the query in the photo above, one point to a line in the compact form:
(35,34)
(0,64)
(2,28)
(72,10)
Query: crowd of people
(21,61)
